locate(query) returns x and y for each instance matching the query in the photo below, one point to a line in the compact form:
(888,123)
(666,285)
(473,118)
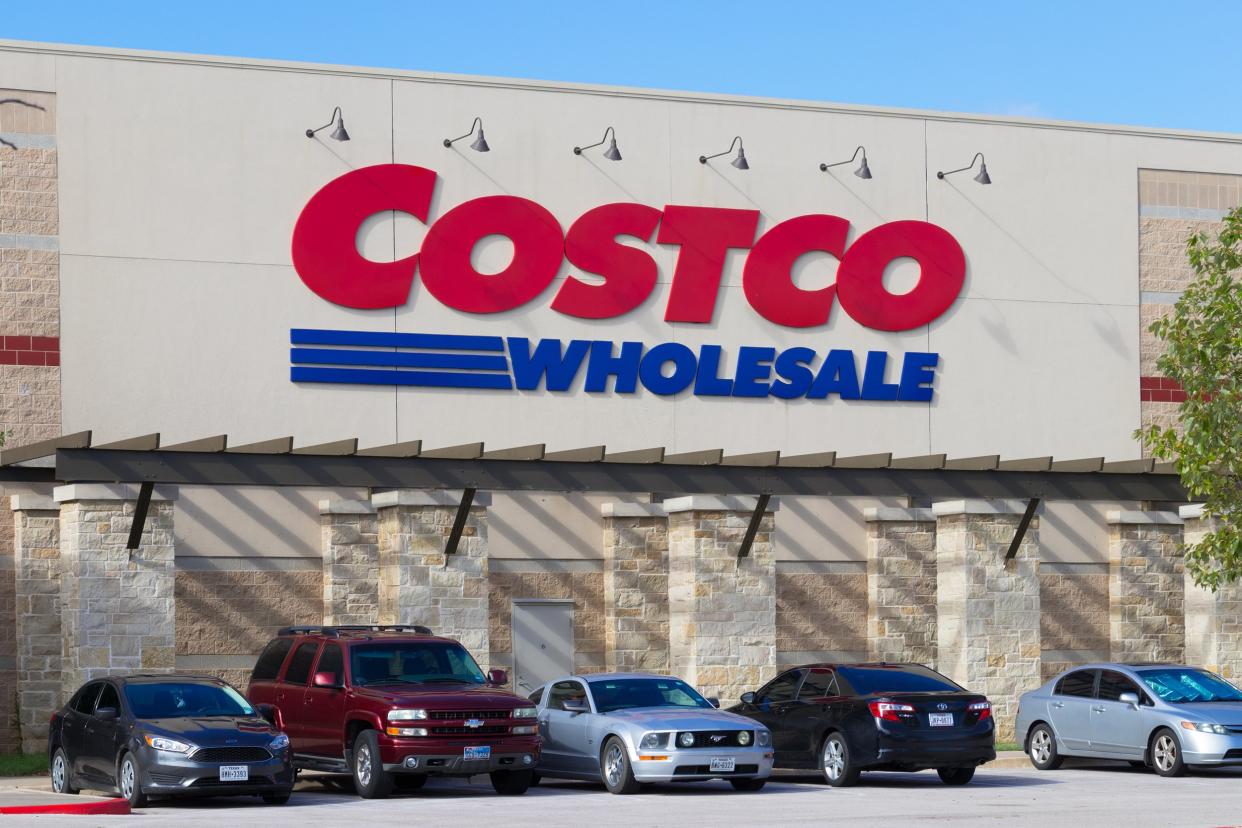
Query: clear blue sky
(1166,64)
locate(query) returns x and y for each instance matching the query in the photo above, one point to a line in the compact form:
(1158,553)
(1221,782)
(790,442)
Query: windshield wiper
(442,679)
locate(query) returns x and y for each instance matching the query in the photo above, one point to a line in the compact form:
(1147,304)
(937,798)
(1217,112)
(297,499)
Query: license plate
(940,719)
(234,773)
(721,765)
(484,752)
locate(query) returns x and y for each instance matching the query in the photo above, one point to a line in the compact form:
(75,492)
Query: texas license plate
(484,752)
(940,719)
(722,765)
(234,773)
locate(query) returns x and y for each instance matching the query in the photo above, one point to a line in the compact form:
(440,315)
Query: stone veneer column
(987,606)
(722,608)
(635,587)
(418,583)
(1213,619)
(1146,586)
(901,584)
(117,605)
(36,554)
(350,544)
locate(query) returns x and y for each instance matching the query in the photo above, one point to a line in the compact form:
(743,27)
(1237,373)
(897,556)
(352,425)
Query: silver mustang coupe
(626,729)
(1165,716)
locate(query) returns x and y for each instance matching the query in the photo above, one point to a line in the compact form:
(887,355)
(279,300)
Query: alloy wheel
(127,778)
(58,773)
(1165,752)
(614,766)
(834,759)
(1041,746)
(364,765)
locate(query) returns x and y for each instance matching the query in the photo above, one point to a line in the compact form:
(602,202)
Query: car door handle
(1058,705)
(1095,708)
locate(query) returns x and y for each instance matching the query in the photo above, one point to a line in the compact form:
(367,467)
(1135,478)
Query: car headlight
(279,743)
(168,745)
(525,713)
(743,738)
(685,739)
(651,741)
(1205,727)
(765,738)
(406,715)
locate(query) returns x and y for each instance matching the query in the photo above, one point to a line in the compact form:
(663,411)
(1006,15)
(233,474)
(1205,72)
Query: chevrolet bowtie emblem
(474,722)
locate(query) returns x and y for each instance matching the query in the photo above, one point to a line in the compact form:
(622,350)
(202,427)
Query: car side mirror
(497,678)
(575,706)
(269,714)
(106,714)
(1131,699)
(329,680)
(713,701)
(747,698)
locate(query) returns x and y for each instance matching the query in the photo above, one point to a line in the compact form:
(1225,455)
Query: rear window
(273,655)
(300,664)
(870,680)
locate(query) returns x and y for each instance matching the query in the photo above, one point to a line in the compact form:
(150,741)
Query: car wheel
(276,798)
(62,779)
(129,782)
(835,762)
(1042,748)
(955,776)
(511,783)
(409,781)
(371,781)
(615,770)
(748,784)
(1166,753)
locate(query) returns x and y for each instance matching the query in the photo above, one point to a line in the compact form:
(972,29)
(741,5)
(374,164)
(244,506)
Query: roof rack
(335,631)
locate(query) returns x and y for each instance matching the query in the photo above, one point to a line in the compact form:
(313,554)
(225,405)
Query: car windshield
(867,681)
(173,700)
(1178,685)
(413,662)
(622,694)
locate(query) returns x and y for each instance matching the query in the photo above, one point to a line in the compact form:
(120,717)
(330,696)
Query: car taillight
(889,711)
(983,708)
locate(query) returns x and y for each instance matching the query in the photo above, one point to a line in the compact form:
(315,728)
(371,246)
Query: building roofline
(791,104)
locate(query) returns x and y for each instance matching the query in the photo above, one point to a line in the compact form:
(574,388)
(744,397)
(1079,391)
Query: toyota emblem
(942,706)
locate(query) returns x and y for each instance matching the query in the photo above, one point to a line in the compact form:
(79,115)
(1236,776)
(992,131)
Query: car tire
(276,798)
(511,783)
(62,776)
(1166,753)
(409,781)
(615,770)
(748,784)
(955,776)
(129,781)
(835,762)
(534,779)
(1041,747)
(371,781)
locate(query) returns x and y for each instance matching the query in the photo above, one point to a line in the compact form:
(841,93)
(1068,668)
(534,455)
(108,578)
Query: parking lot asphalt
(1095,795)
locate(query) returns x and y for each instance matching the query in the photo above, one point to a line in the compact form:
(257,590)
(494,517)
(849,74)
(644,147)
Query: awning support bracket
(459,523)
(752,528)
(140,515)
(1031,506)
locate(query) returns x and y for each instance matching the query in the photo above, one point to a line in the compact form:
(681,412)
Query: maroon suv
(392,705)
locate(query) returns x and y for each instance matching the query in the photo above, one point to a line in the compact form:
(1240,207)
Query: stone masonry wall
(901,585)
(1074,625)
(1146,587)
(350,544)
(38,615)
(10,732)
(820,615)
(636,592)
(585,588)
(1213,619)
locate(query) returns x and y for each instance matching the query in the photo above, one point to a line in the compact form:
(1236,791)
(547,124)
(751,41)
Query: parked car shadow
(929,779)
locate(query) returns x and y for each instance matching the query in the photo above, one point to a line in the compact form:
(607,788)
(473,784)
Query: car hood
(666,718)
(1226,713)
(444,696)
(212,730)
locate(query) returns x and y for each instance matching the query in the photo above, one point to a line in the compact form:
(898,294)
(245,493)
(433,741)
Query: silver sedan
(625,729)
(1165,716)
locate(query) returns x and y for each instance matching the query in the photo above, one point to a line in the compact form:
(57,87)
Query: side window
(109,698)
(1113,684)
(84,701)
(782,689)
(273,655)
(565,690)
(819,682)
(300,664)
(331,661)
(536,696)
(1079,683)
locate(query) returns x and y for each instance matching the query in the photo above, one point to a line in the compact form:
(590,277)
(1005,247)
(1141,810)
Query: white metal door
(543,643)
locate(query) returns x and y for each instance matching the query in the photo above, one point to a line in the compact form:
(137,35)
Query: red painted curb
(109,807)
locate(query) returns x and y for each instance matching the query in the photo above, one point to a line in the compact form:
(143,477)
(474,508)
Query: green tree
(1203,339)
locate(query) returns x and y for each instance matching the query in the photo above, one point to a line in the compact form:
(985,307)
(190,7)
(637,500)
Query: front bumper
(442,757)
(166,774)
(695,764)
(1211,748)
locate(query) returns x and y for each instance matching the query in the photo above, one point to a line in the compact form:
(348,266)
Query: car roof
(354,636)
(161,678)
(870,665)
(1132,666)
(598,677)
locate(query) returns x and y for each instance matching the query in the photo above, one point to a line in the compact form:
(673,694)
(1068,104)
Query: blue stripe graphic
(427,379)
(336,356)
(384,339)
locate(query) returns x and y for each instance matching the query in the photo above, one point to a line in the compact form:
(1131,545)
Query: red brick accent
(1160,389)
(29,350)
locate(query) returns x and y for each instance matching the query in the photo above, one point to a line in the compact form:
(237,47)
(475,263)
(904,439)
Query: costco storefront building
(720,282)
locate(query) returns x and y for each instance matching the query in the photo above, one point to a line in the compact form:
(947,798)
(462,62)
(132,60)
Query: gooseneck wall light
(739,162)
(338,134)
(612,153)
(863,170)
(479,144)
(982,177)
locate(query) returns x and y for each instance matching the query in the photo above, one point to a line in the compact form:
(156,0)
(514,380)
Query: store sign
(326,257)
